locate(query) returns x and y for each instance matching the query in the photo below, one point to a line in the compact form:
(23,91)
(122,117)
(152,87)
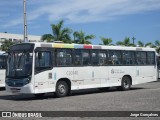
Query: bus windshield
(19,64)
(3,61)
(158,62)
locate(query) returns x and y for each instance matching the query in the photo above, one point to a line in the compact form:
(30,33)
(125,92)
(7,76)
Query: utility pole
(133,38)
(25,22)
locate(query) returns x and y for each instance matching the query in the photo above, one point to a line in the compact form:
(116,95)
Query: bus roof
(88,46)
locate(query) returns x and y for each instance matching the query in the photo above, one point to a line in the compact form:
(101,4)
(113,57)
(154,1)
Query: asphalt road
(143,97)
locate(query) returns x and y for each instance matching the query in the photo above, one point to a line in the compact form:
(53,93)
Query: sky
(114,19)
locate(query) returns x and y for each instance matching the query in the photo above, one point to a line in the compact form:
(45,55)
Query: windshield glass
(158,62)
(19,64)
(3,61)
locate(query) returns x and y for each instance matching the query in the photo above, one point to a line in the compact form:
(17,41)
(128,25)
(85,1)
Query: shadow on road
(28,97)
(2,88)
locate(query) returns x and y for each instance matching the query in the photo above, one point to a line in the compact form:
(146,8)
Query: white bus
(158,66)
(3,59)
(39,68)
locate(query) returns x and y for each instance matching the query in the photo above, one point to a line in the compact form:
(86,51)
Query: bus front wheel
(125,84)
(61,89)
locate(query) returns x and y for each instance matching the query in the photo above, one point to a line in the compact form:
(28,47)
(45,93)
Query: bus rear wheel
(61,89)
(125,84)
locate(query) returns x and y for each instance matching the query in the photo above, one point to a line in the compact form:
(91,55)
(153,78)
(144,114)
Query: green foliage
(157,46)
(59,33)
(47,37)
(106,41)
(81,38)
(6,44)
(125,42)
(140,44)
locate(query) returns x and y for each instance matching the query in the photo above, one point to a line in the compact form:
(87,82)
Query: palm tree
(141,44)
(157,44)
(6,44)
(149,44)
(81,38)
(106,41)
(60,33)
(47,37)
(75,34)
(125,42)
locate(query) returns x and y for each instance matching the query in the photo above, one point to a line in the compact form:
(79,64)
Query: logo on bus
(72,72)
(112,71)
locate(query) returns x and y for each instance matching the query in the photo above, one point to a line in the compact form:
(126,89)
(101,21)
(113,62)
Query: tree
(157,44)
(106,41)
(6,44)
(141,44)
(60,33)
(75,34)
(47,37)
(81,38)
(125,42)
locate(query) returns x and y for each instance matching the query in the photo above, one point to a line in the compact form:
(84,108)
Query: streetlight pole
(25,22)
(133,38)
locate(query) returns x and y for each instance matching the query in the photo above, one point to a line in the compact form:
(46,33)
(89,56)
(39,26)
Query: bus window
(144,57)
(110,57)
(64,57)
(85,57)
(118,55)
(43,60)
(77,57)
(102,57)
(151,58)
(95,57)
(141,58)
(114,57)
(129,57)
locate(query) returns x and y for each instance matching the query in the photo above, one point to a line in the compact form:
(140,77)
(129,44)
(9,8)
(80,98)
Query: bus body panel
(145,74)
(27,89)
(2,77)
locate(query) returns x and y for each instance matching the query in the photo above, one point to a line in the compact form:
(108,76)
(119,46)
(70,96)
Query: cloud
(83,11)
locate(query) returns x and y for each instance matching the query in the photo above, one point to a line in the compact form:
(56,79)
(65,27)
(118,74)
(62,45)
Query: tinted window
(141,58)
(129,57)
(150,58)
(64,57)
(85,57)
(43,59)
(95,59)
(77,57)
(102,58)
(114,57)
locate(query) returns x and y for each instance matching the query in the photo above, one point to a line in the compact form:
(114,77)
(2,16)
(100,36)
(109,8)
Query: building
(18,37)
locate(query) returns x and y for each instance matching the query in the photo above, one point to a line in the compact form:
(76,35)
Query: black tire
(62,89)
(39,95)
(125,84)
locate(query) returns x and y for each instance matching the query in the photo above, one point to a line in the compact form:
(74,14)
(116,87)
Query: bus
(158,66)
(3,59)
(39,68)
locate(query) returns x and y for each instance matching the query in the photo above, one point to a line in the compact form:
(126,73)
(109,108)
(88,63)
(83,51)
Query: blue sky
(114,19)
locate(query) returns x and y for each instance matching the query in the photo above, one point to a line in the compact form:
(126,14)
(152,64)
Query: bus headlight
(27,80)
